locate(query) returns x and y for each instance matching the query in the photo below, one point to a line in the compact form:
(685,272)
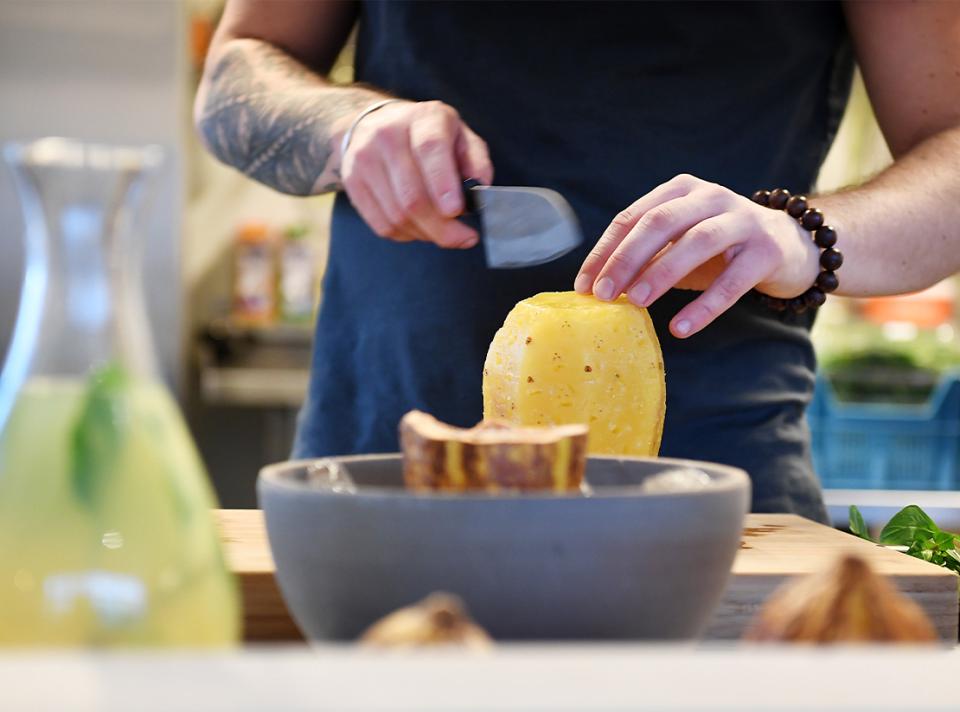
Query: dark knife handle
(470,203)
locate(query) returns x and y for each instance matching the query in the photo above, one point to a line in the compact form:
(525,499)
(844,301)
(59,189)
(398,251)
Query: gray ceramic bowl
(621,564)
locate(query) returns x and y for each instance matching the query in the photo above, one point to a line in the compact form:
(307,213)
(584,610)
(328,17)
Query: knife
(522,227)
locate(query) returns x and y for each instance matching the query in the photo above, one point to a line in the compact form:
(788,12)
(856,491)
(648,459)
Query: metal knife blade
(523,227)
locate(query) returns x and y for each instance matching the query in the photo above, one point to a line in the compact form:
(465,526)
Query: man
(603,102)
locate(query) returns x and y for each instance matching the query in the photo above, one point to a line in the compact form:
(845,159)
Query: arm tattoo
(268,116)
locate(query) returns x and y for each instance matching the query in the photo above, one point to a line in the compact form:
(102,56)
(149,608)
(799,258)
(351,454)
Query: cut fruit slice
(562,357)
(492,456)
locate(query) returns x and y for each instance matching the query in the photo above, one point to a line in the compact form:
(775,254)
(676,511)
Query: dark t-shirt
(602,102)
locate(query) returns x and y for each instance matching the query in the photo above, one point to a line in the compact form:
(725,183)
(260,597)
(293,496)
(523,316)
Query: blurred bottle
(106,532)
(298,275)
(255,275)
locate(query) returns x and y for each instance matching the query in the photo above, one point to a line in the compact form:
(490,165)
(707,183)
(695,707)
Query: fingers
(652,232)
(691,232)
(697,246)
(381,189)
(408,161)
(735,281)
(622,224)
(432,140)
(370,192)
(418,211)
(372,214)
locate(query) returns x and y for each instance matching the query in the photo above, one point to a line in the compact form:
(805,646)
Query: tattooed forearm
(269,116)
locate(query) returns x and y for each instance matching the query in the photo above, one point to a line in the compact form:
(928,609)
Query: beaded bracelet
(824,236)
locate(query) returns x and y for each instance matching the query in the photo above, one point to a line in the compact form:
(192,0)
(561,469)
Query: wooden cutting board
(775,547)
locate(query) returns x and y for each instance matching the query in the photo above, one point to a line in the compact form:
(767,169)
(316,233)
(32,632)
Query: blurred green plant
(913,529)
(863,365)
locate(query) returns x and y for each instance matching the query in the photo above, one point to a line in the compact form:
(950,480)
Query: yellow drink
(106,534)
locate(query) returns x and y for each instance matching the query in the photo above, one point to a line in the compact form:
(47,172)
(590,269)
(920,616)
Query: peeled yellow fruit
(563,358)
(847,603)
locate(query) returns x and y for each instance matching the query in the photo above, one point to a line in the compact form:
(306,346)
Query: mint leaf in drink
(858,526)
(98,434)
(907,527)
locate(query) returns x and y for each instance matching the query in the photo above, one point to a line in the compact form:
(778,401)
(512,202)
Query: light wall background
(98,70)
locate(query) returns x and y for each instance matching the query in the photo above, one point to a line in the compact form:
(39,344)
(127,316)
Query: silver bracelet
(369,110)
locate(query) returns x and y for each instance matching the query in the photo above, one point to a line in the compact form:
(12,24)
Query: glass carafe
(106,533)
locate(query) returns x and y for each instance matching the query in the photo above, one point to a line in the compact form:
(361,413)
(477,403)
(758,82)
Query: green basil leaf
(907,526)
(944,540)
(952,560)
(858,527)
(99,433)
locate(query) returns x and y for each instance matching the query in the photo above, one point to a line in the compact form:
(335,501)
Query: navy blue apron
(602,102)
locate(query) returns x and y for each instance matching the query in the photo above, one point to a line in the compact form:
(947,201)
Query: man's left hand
(692,234)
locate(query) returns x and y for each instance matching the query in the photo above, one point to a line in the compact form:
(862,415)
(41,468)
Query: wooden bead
(814,298)
(797,206)
(774,303)
(825,236)
(831,259)
(827,281)
(779,198)
(811,219)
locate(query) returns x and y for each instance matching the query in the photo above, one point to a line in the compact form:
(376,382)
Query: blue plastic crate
(881,446)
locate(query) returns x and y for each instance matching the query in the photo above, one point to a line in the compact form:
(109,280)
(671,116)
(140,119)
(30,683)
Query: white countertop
(596,678)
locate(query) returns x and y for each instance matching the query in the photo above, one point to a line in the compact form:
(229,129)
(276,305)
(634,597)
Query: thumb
(473,156)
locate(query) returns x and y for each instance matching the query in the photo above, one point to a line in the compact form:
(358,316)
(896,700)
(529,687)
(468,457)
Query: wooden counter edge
(267,618)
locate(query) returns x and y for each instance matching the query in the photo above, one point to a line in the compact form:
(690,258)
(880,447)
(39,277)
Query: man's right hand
(404,169)
(266,108)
